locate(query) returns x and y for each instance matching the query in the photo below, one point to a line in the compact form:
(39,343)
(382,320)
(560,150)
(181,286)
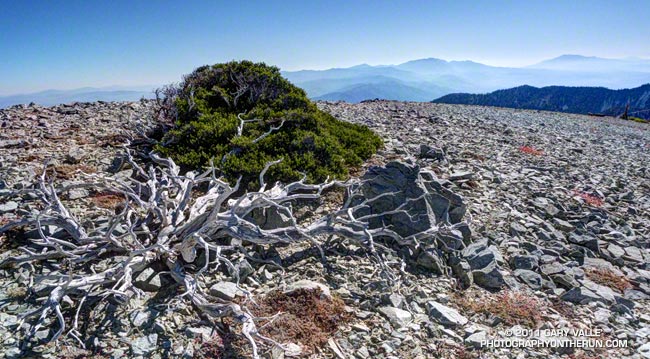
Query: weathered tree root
(166,221)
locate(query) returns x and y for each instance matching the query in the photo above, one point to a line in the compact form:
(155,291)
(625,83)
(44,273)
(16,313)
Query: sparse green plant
(637,119)
(245,114)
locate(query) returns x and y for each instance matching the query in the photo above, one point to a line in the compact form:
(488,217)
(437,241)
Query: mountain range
(598,100)
(417,80)
(431,78)
(85,94)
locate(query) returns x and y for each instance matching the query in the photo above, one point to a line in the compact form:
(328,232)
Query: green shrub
(208,106)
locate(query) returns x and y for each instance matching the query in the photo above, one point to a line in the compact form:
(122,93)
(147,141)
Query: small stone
(529,277)
(9,206)
(394,300)
(476,339)
(225,290)
(563,225)
(77,193)
(12,352)
(396,316)
(144,345)
(464,175)
(489,277)
(75,155)
(581,295)
(139,318)
(524,262)
(360,327)
(148,280)
(644,350)
(309,285)
(204,333)
(445,315)
(292,350)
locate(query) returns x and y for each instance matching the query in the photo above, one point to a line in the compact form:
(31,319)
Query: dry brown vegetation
(67,171)
(108,200)
(531,151)
(607,277)
(513,307)
(307,318)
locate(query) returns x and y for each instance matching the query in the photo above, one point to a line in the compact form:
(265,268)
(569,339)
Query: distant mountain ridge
(417,80)
(84,94)
(430,78)
(582,100)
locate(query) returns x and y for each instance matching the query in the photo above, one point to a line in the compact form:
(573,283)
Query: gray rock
(144,345)
(445,315)
(476,339)
(77,193)
(524,262)
(457,176)
(270,218)
(581,295)
(139,318)
(119,162)
(462,270)
(148,280)
(225,290)
(490,255)
(475,248)
(432,153)
(517,229)
(308,285)
(12,143)
(206,334)
(9,206)
(75,155)
(244,268)
(396,316)
(430,258)
(553,268)
(644,350)
(394,300)
(12,352)
(428,201)
(489,277)
(616,251)
(563,225)
(564,280)
(529,277)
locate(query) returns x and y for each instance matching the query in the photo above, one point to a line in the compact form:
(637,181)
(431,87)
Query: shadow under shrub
(209,104)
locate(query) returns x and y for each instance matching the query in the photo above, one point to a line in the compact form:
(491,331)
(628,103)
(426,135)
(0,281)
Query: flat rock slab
(445,315)
(398,317)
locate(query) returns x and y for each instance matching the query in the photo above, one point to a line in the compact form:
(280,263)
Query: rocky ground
(549,230)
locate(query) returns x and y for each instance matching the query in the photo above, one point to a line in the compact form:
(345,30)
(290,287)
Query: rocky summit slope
(548,229)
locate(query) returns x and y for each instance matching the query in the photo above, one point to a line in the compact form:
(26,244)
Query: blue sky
(70,44)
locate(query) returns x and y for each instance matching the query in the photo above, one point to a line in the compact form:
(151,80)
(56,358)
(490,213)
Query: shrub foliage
(210,103)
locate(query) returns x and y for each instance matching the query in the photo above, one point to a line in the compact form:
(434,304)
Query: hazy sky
(69,44)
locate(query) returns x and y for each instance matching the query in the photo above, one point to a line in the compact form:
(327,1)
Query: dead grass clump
(531,151)
(305,317)
(454,351)
(31,158)
(114,140)
(563,308)
(584,355)
(589,199)
(108,200)
(608,278)
(66,171)
(513,307)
